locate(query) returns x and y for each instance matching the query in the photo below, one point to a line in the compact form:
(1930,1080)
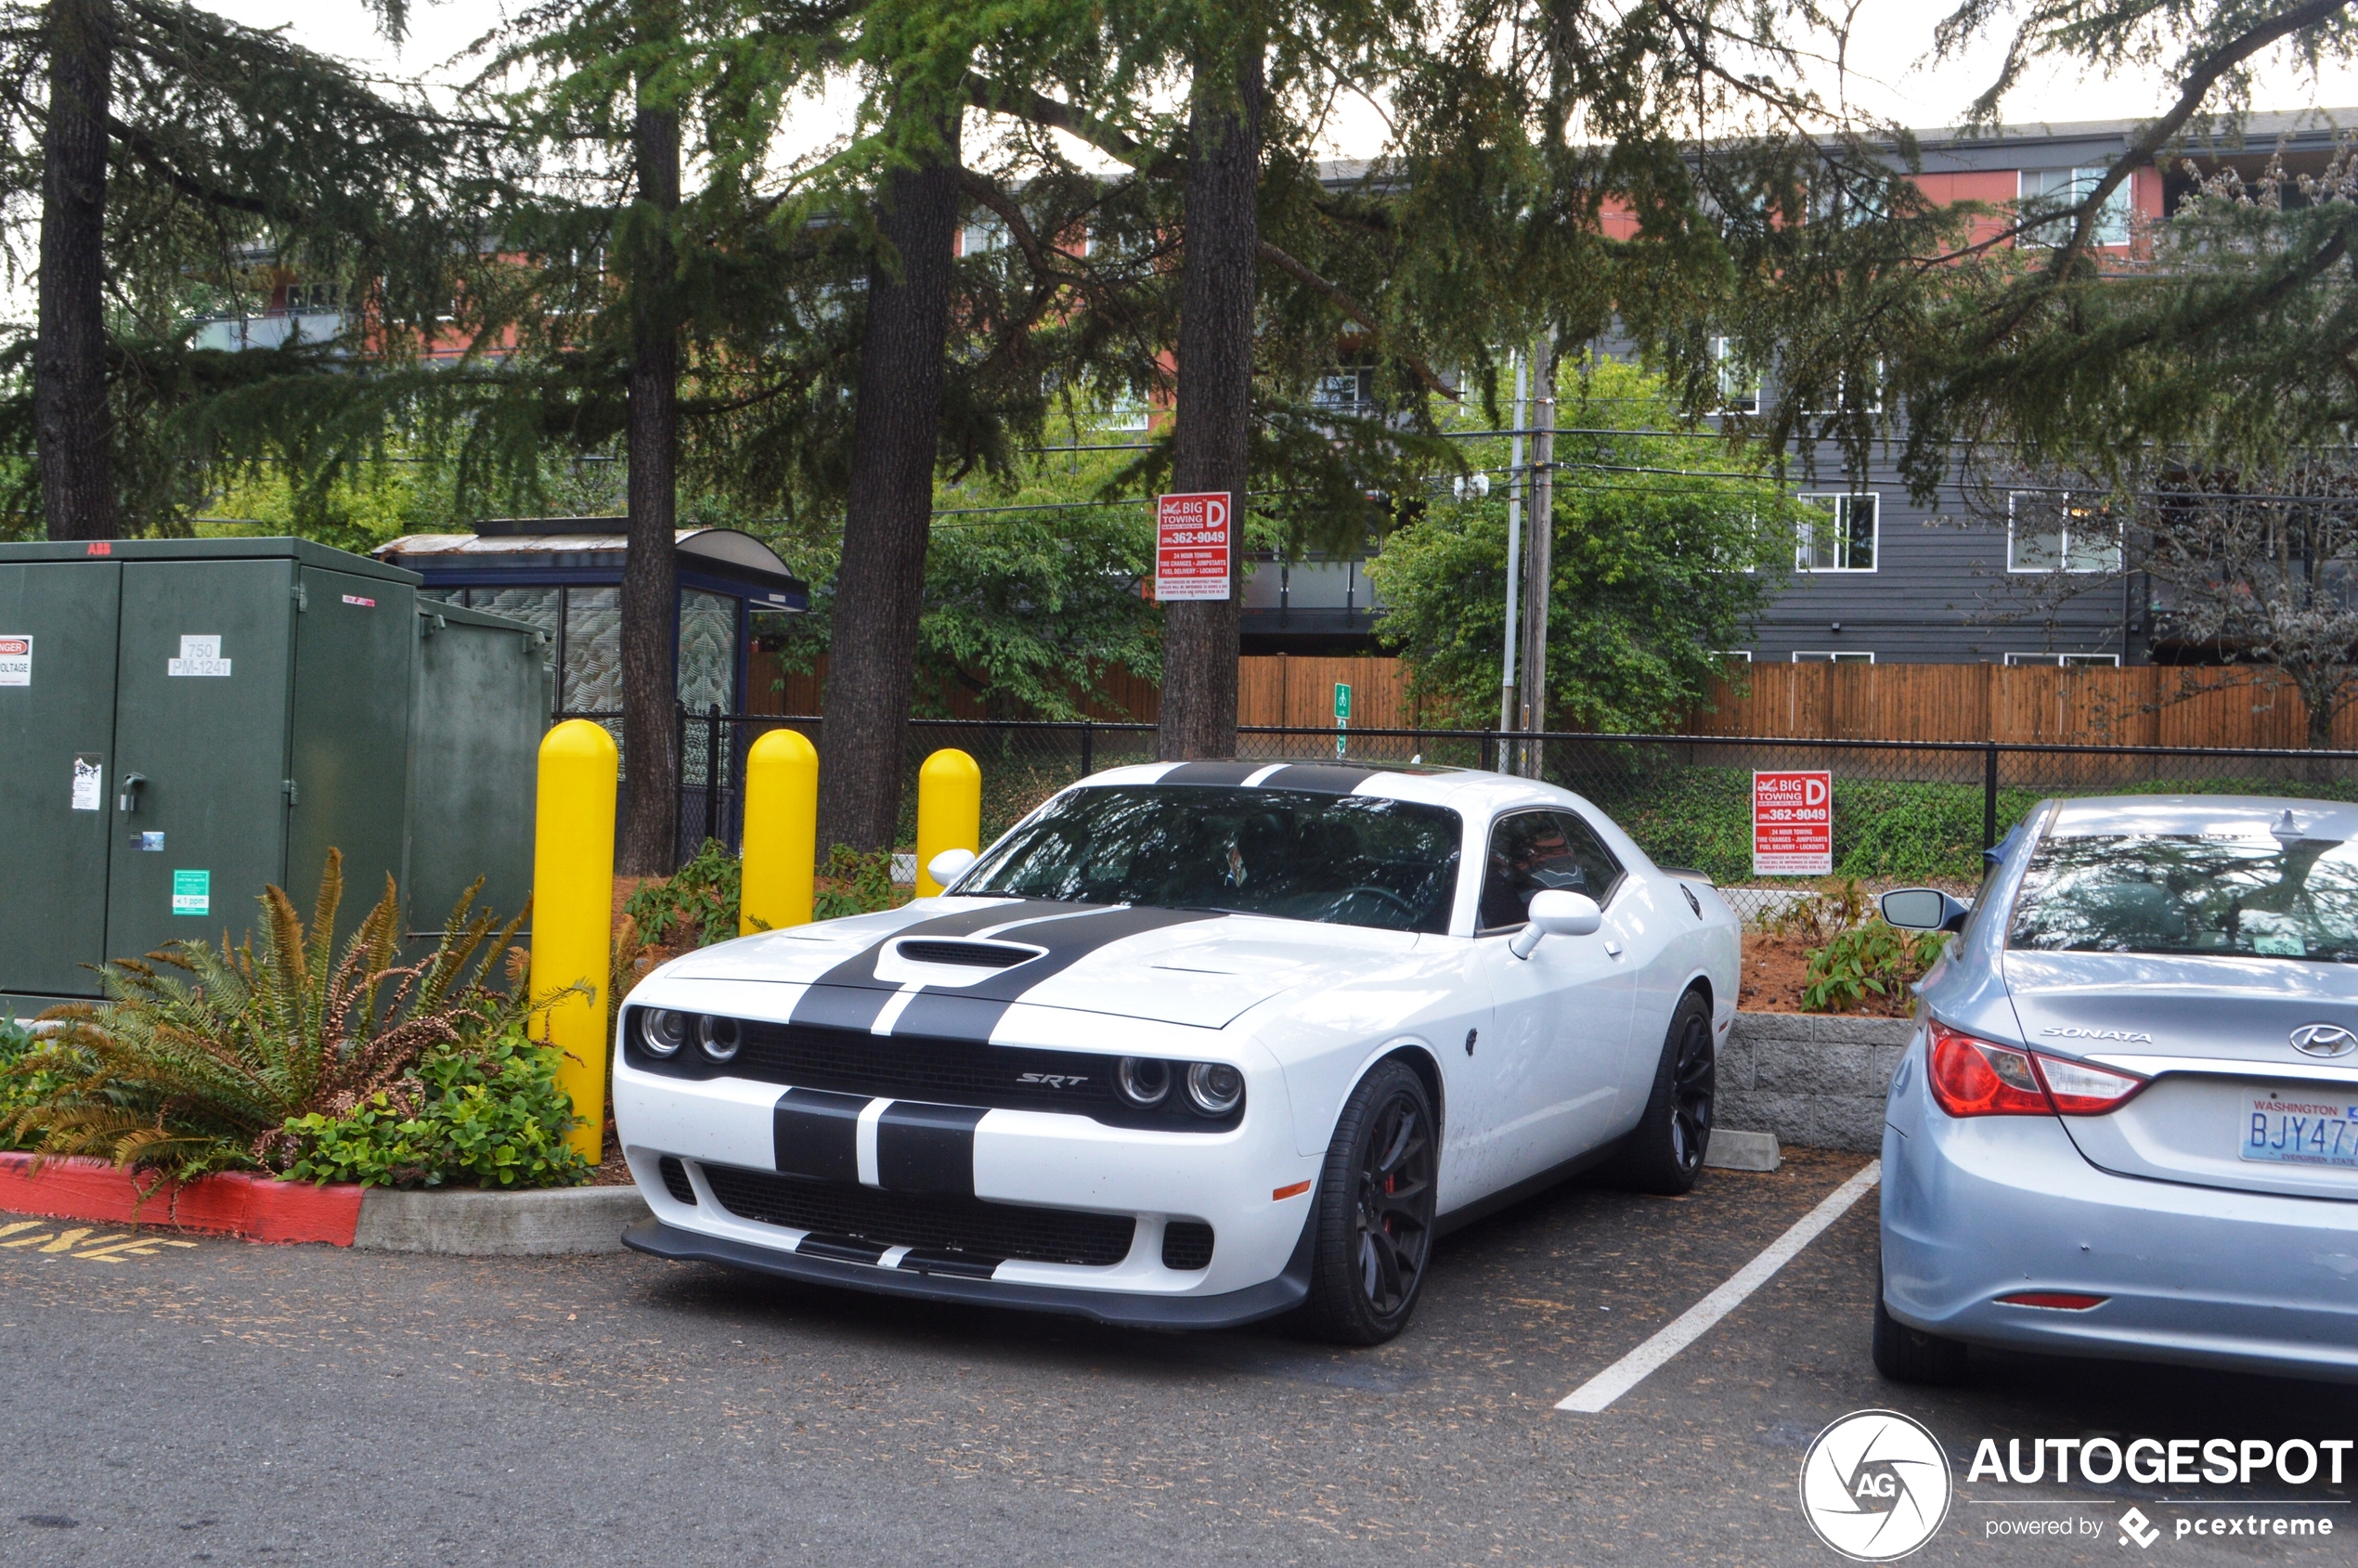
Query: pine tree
(173,144)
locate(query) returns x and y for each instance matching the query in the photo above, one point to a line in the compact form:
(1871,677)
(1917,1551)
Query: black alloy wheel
(1376,1199)
(1664,1151)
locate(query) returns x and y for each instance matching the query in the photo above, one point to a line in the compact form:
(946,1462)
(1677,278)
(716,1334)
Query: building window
(1351,392)
(1743,653)
(1842,539)
(983,237)
(1827,655)
(2068,661)
(2050,532)
(1846,400)
(1739,383)
(2057,191)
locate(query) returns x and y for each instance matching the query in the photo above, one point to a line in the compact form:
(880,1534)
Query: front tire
(1664,1151)
(1376,1196)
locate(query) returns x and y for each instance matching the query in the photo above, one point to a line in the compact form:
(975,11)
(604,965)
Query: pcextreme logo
(1876,1485)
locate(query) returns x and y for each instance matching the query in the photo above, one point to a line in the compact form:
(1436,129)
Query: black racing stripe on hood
(970,1013)
(850,995)
(1319,778)
(1211,772)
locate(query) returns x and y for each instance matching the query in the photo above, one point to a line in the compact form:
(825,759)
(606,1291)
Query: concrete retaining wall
(1810,1080)
(498,1225)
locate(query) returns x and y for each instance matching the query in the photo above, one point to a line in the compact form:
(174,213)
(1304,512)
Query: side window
(1531,851)
(1600,870)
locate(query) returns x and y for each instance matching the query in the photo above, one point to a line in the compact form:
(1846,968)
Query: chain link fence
(1903,812)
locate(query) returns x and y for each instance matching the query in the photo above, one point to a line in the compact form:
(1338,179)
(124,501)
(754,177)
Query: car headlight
(719,1037)
(1142,1080)
(662,1032)
(1214,1087)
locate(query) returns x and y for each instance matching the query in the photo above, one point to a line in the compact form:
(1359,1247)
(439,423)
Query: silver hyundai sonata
(2127,1125)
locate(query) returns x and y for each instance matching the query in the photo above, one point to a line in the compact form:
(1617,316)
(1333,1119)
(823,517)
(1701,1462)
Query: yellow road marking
(138,1246)
(69,1240)
(27,1240)
(20,1225)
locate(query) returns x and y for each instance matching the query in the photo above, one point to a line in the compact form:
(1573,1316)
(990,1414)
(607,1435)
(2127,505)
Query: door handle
(128,801)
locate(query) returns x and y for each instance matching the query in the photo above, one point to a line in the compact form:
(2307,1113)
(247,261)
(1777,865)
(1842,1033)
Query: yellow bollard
(573,913)
(949,811)
(782,831)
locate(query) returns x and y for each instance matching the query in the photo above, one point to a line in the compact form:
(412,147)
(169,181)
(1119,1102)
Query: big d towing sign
(1192,536)
(1793,824)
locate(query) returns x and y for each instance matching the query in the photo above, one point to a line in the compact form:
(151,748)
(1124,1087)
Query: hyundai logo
(2324,1040)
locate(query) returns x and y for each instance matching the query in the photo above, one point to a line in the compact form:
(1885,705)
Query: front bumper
(894,1157)
(1122,1308)
(1978,1208)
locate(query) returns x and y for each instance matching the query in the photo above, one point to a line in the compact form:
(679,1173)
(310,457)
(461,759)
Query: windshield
(2249,897)
(1351,860)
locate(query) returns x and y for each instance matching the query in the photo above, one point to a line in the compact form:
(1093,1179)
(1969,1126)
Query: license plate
(2302,1129)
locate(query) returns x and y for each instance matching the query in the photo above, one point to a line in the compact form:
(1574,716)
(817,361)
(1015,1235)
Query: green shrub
(487,1116)
(188,1075)
(852,882)
(21,1090)
(699,904)
(1870,958)
(695,906)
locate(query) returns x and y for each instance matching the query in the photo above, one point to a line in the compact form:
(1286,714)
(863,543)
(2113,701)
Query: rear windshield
(2251,898)
(1351,860)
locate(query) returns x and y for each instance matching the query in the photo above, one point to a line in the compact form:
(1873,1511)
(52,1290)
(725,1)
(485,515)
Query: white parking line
(1691,1325)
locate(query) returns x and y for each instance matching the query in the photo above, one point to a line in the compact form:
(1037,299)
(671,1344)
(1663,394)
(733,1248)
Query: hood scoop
(966,955)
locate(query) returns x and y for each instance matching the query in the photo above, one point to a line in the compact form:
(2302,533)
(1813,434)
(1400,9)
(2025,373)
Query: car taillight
(1973,1076)
(2080,1090)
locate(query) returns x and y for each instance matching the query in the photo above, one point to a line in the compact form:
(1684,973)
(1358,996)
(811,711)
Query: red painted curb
(234,1202)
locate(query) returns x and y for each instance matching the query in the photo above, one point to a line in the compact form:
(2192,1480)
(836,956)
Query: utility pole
(1507,711)
(1540,571)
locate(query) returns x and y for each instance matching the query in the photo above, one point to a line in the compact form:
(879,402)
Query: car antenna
(2287,831)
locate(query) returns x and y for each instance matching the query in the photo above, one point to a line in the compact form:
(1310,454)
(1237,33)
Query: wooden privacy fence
(2153,704)
(1275,689)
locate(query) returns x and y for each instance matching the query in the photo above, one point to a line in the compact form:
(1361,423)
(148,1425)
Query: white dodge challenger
(1193,1045)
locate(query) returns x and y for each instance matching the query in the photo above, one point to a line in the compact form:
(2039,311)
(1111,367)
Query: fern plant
(198,1058)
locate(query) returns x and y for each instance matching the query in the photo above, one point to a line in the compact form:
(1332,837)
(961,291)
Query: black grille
(675,1179)
(944,1072)
(972,955)
(1187,1244)
(899,1219)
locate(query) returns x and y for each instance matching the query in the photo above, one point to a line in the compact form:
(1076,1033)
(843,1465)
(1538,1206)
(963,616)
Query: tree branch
(1357,312)
(2190,95)
(1023,103)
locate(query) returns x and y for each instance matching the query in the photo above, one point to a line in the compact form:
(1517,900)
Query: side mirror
(1924,908)
(949,865)
(1556,914)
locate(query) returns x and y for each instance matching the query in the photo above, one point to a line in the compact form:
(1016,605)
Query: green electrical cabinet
(183,722)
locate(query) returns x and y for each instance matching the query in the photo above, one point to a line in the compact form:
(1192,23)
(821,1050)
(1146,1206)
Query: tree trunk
(70,426)
(872,649)
(650,585)
(1217,285)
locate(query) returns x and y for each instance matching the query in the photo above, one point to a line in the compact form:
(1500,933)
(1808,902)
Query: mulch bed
(1776,970)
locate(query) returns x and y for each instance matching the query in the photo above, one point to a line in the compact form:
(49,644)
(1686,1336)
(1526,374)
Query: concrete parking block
(1731,1150)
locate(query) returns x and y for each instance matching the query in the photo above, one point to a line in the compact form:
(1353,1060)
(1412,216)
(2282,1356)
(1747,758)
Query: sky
(1888,75)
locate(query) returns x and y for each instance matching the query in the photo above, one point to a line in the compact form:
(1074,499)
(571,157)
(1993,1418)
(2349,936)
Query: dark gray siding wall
(1939,592)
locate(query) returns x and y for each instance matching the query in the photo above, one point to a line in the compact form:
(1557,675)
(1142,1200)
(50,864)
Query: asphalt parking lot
(234,1403)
